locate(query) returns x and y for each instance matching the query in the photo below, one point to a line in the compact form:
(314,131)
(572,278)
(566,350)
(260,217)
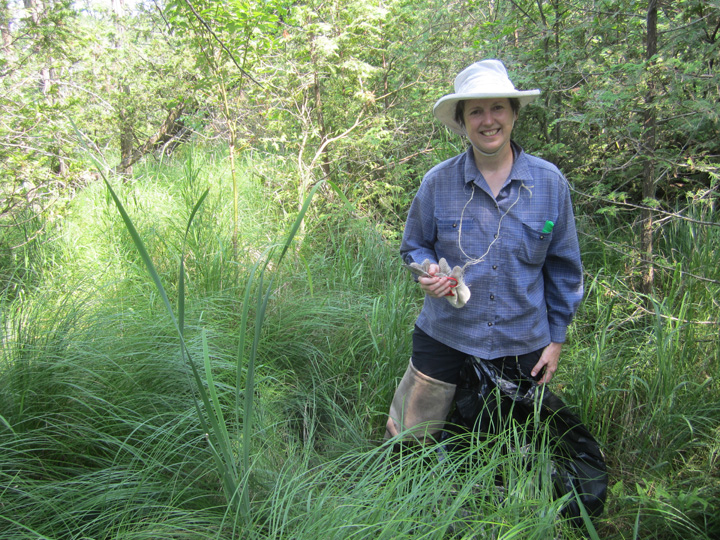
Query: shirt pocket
(534,245)
(454,233)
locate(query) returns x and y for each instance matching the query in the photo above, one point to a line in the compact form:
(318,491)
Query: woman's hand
(437,287)
(548,362)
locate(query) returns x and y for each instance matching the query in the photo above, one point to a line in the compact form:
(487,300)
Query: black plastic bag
(579,463)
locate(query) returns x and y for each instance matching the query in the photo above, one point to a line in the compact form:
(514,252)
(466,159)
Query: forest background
(203,310)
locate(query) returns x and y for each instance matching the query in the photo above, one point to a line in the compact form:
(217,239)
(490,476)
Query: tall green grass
(101,435)
(646,380)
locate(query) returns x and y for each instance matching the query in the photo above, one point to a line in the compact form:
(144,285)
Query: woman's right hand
(437,287)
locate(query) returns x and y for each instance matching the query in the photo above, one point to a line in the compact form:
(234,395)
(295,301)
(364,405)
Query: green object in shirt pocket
(534,245)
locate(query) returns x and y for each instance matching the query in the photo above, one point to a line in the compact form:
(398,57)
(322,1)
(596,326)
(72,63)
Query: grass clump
(105,433)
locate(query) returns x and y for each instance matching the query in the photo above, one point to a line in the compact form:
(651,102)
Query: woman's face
(489,123)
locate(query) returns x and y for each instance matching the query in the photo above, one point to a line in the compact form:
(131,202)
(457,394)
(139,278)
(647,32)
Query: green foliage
(61,62)
(589,60)
(101,437)
(99,433)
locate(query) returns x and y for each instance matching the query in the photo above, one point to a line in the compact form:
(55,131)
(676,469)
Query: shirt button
(542,237)
(489,324)
(495,236)
(454,225)
(492,297)
(494,266)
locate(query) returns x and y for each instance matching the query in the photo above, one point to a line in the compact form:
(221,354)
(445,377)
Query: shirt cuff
(558,334)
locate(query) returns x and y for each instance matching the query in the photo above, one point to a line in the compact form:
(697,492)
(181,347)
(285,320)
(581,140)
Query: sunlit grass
(100,436)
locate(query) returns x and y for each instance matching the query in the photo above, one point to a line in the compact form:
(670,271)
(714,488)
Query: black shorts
(444,363)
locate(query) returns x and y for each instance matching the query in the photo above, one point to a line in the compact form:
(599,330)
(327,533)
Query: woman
(491,234)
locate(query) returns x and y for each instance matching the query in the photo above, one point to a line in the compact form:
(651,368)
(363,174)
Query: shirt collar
(520,169)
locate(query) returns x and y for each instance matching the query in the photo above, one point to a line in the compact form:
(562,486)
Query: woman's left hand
(548,362)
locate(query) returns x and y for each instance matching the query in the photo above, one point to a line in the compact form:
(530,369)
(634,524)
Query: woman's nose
(487,117)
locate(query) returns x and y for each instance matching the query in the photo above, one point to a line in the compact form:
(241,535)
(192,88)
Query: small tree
(649,127)
(227,38)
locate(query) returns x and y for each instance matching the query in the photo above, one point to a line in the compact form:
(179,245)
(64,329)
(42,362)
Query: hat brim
(444,109)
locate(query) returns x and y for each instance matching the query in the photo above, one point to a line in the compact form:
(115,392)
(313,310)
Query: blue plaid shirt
(528,283)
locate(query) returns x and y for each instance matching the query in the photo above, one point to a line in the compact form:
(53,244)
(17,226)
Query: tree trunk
(118,9)
(232,144)
(126,135)
(317,95)
(134,155)
(649,127)
(5,35)
(35,8)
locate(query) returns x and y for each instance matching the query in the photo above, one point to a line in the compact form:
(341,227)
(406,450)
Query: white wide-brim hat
(484,79)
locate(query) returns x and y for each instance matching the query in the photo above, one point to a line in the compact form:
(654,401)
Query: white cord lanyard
(470,260)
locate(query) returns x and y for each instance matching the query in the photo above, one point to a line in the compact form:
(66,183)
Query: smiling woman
(515,210)
(520,309)
(489,124)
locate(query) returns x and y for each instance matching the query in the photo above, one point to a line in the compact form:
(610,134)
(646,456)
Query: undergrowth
(100,436)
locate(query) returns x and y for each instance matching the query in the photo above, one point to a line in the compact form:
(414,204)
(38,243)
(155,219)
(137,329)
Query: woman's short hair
(460,109)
